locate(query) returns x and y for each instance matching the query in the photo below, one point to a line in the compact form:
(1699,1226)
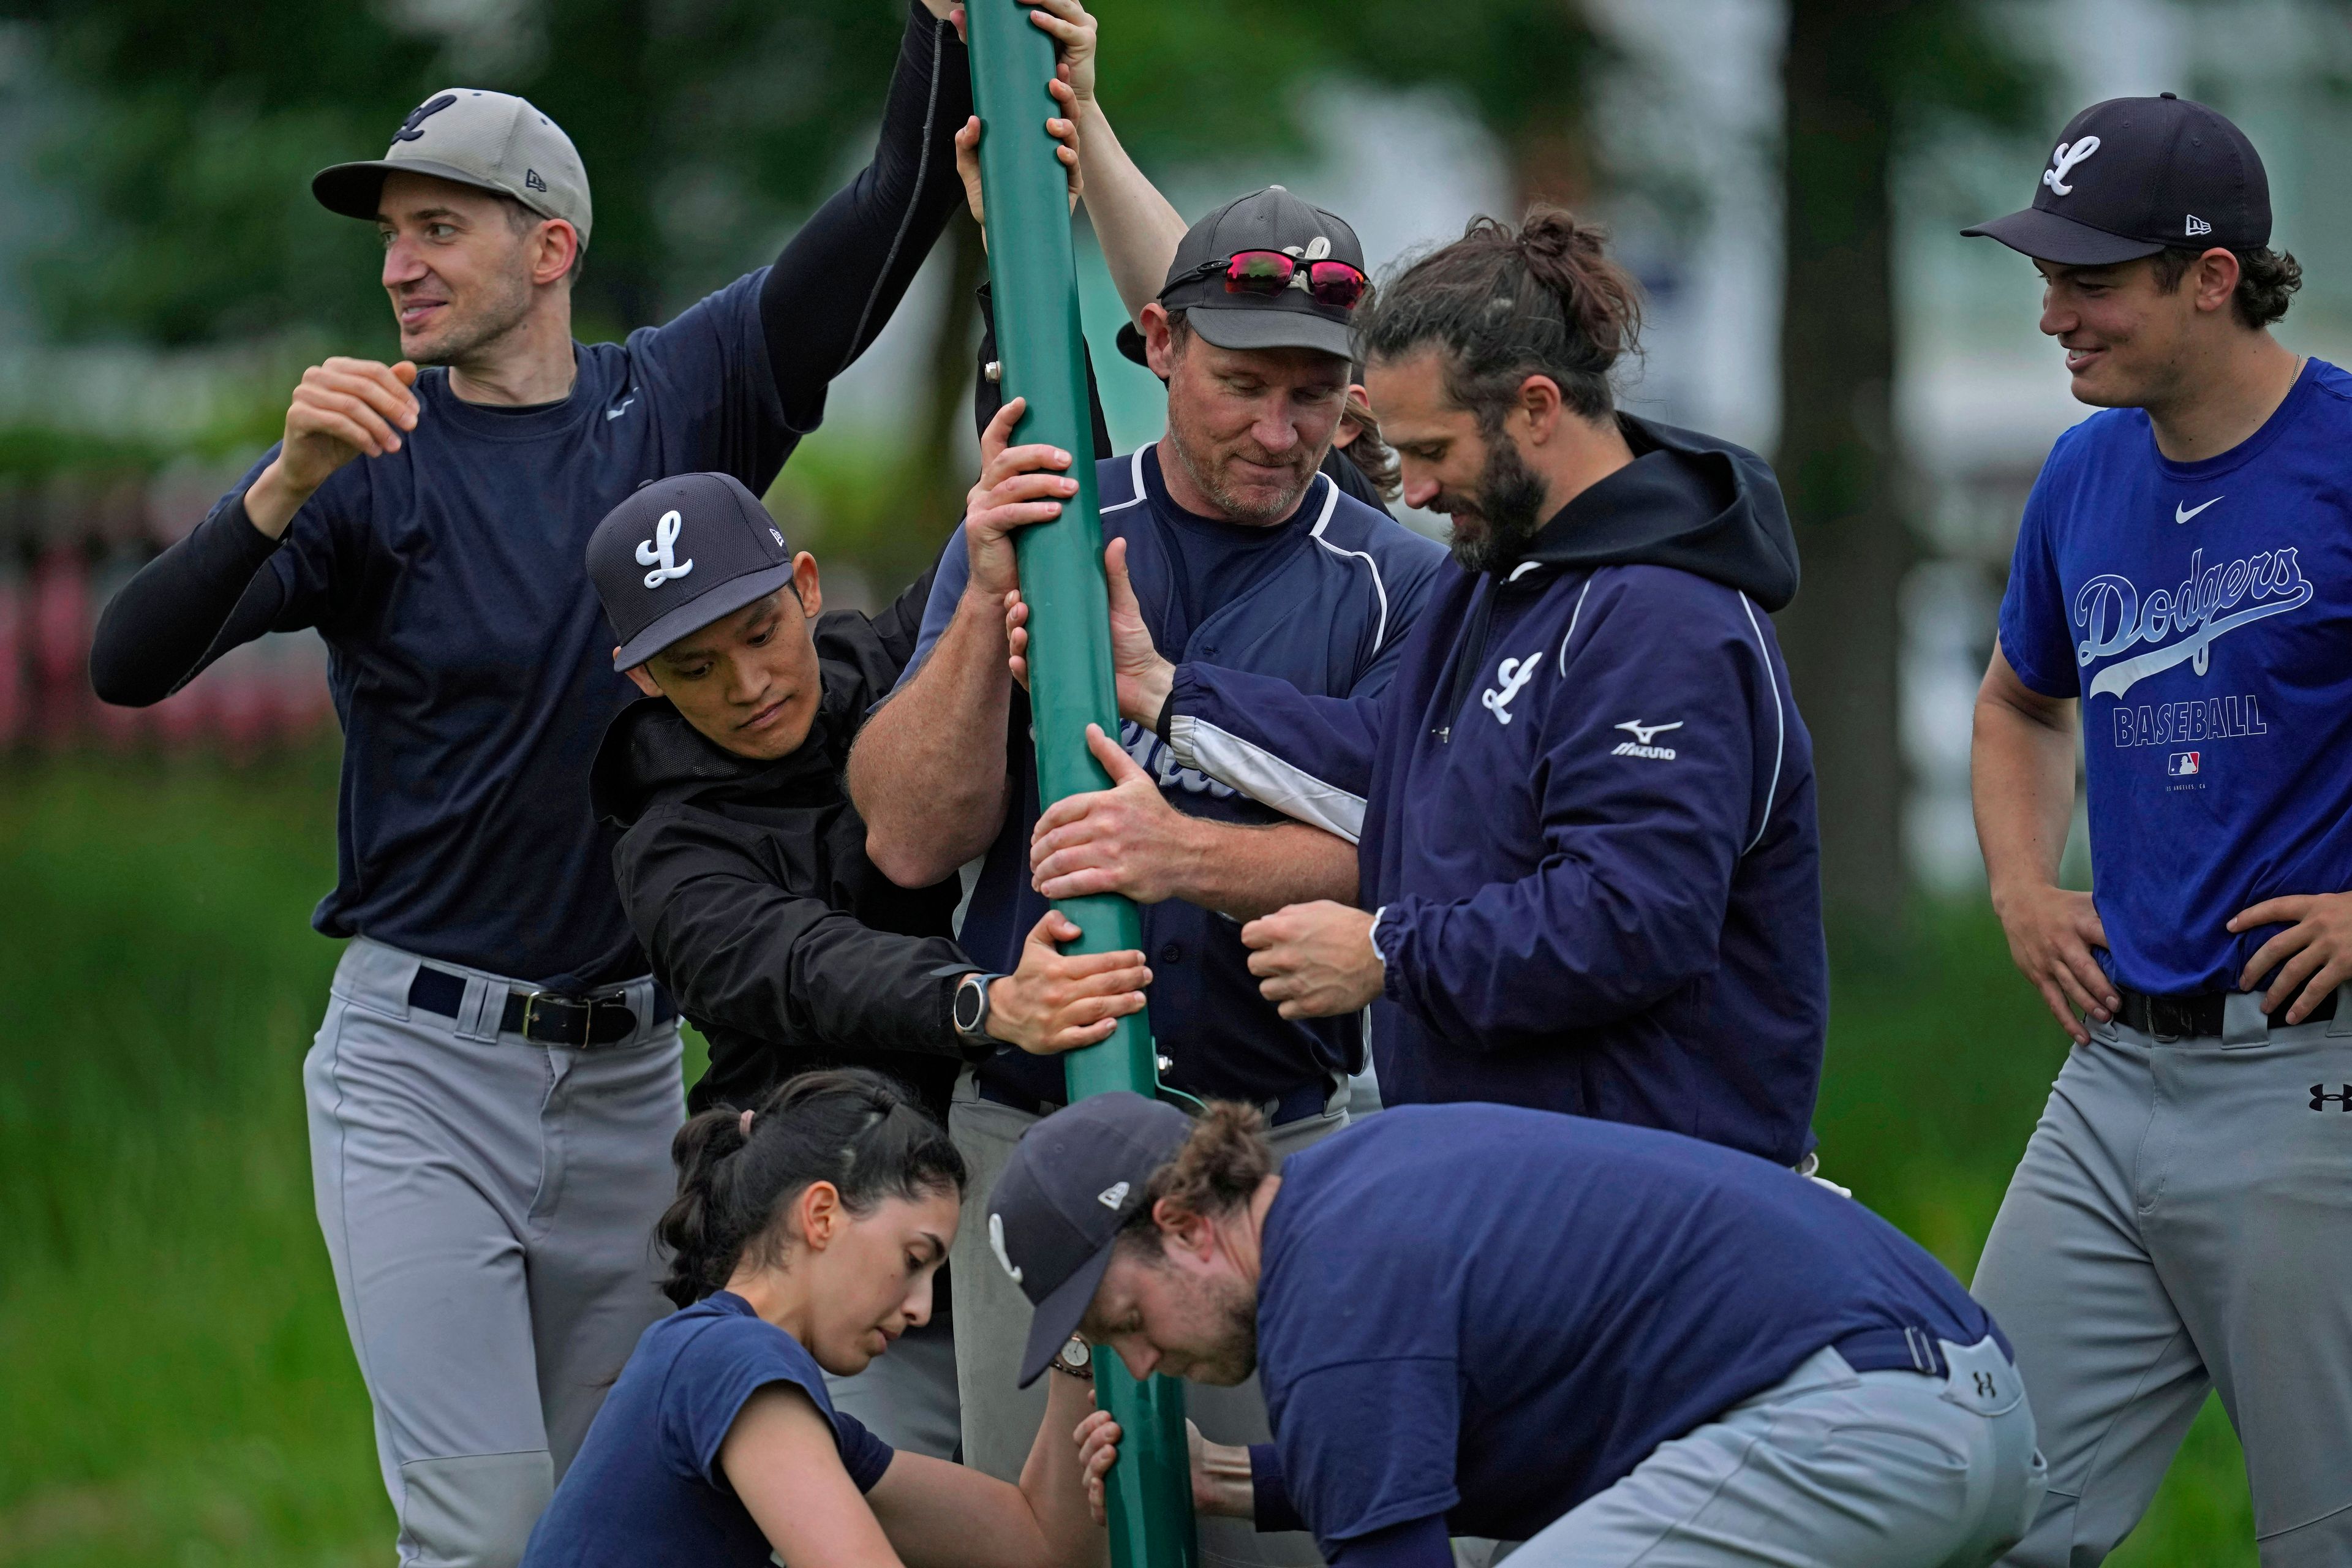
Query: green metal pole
(1034,281)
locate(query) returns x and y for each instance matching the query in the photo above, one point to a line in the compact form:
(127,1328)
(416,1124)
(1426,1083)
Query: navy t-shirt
(470,664)
(1323,601)
(2203,614)
(1492,1313)
(646,1488)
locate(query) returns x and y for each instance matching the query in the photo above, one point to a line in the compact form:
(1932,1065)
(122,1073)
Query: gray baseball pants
(489,1206)
(992,1326)
(2182,1221)
(1827,1469)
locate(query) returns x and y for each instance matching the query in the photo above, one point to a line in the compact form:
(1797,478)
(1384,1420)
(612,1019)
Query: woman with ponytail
(804,1240)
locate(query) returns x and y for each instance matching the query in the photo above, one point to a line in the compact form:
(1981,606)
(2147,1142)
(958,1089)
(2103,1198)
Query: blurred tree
(704,125)
(1866,83)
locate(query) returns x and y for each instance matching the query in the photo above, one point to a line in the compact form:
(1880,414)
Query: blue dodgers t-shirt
(1493,1313)
(2203,614)
(469,661)
(646,1488)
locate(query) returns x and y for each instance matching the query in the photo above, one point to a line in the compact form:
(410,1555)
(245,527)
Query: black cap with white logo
(2132,176)
(1074,1180)
(680,553)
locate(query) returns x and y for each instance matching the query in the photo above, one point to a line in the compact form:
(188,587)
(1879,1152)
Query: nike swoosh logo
(2183,513)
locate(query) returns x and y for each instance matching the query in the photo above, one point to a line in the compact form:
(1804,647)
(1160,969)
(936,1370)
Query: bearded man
(1590,865)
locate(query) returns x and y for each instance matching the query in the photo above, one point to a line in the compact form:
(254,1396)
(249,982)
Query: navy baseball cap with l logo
(1074,1181)
(2132,176)
(680,553)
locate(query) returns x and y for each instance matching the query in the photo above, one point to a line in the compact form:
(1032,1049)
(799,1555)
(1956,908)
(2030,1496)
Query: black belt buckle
(2177,1018)
(561,1020)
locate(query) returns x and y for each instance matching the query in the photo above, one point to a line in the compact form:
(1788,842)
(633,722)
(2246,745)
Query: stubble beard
(1237,1357)
(1237,506)
(1509,503)
(461,344)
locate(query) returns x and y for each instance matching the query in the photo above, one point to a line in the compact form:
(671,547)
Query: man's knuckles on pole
(1126,839)
(1058,1001)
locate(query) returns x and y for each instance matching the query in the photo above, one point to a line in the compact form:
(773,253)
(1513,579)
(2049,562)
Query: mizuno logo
(1513,673)
(657,552)
(996,1245)
(2114,617)
(2063,161)
(621,408)
(2183,513)
(1645,734)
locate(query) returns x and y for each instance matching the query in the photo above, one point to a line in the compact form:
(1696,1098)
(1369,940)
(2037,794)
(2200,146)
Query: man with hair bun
(1618,1346)
(1584,807)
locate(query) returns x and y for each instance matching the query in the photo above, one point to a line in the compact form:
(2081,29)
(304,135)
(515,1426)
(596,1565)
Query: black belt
(546,1017)
(2189,1017)
(1293,1105)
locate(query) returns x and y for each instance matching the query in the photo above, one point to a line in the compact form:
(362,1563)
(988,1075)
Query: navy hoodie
(1584,810)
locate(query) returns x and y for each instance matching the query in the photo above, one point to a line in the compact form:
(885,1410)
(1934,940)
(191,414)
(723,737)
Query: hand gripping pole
(1034,281)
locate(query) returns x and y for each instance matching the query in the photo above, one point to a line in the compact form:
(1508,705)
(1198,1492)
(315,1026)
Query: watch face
(1077,1352)
(968,999)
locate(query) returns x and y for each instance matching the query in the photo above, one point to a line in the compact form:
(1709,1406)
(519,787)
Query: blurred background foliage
(165,1313)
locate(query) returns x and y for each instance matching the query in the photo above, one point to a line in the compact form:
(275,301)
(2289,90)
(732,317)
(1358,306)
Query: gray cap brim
(356,190)
(1058,1315)
(2046,237)
(695,614)
(1246,327)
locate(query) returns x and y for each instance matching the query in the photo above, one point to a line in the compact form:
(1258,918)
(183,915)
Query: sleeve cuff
(1269,1497)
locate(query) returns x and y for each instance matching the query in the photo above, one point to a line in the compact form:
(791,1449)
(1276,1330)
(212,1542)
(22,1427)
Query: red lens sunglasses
(1336,284)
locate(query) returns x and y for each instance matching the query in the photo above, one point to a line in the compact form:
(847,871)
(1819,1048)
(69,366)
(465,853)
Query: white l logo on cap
(2062,163)
(996,1245)
(657,552)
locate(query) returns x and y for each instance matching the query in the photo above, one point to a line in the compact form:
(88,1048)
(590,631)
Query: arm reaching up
(1138,228)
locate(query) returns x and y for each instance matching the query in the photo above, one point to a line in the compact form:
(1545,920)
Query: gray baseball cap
(1270,219)
(493,140)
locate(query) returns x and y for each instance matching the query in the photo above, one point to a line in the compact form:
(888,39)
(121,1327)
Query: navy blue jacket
(1586,814)
(1326,610)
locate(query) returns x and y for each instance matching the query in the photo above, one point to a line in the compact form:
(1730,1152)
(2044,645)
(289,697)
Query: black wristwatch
(969,1014)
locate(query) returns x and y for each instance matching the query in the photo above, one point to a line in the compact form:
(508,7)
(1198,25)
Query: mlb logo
(2180,764)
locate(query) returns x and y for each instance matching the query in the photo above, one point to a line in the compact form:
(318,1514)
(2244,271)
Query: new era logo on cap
(1075,1179)
(680,553)
(2132,176)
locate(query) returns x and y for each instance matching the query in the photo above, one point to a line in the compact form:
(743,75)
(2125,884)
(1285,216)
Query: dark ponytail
(1501,305)
(851,1127)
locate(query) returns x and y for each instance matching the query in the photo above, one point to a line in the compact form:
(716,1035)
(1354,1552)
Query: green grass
(173,1367)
